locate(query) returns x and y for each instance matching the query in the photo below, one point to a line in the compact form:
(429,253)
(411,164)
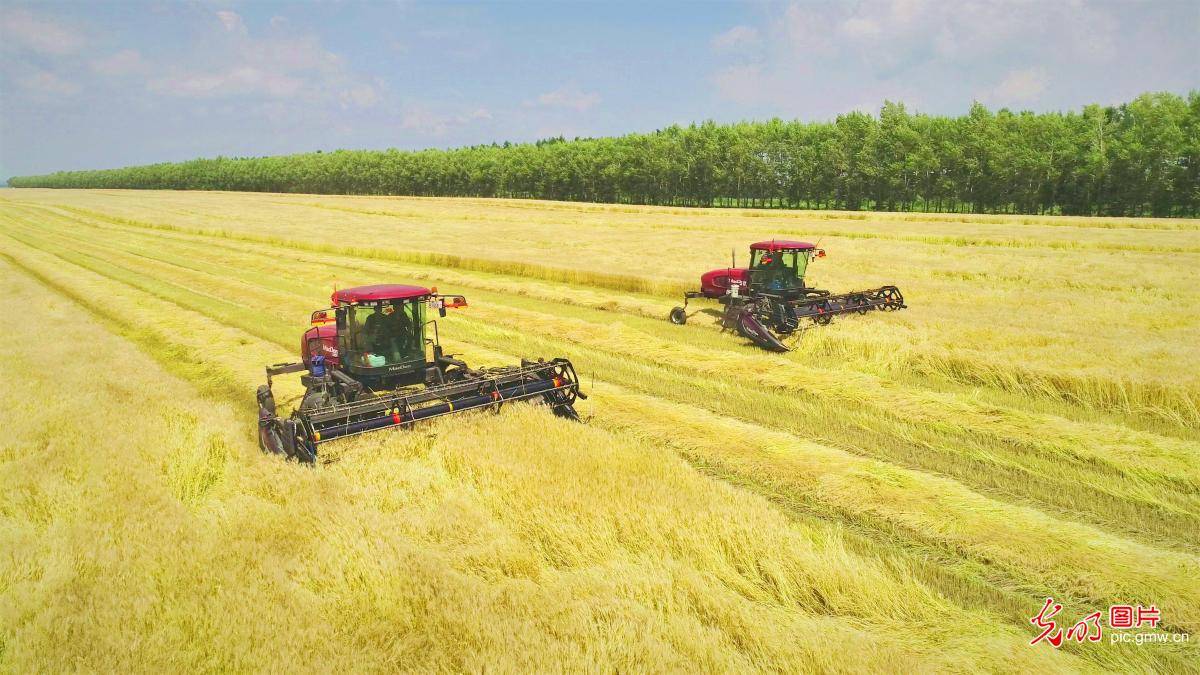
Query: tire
(295,443)
(270,439)
(266,400)
(678,316)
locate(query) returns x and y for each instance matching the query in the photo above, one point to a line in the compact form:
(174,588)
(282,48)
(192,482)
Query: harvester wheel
(678,316)
(296,444)
(269,439)
(270,436)
(266,400)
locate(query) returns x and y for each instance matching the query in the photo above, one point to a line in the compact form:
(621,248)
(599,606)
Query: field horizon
(901,492)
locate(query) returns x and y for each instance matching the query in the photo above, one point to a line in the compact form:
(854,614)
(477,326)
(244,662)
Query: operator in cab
(386,333)
(775,271)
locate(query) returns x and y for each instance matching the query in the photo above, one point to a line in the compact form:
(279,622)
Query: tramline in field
(365,368)
(769,299)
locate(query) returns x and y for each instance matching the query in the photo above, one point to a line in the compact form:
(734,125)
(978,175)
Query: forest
(1140,158)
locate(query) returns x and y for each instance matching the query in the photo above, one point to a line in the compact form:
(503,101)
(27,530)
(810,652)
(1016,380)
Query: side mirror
(340,313)
(448,301)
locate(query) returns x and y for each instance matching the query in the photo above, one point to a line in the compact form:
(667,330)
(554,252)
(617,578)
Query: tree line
(1140,158)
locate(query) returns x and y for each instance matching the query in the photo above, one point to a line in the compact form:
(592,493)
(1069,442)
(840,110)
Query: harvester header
(368,364)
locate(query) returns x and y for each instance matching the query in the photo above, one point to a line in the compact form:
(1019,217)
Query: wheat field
(900,493)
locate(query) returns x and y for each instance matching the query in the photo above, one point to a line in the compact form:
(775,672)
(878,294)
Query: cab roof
(781,245)
(378,292)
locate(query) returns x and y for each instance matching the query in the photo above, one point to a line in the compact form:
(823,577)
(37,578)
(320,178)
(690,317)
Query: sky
(104,84)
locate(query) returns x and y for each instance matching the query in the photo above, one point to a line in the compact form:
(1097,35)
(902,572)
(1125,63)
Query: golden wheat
(899,493)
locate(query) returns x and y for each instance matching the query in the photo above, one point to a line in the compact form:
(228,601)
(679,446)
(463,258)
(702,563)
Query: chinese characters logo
(1090,629)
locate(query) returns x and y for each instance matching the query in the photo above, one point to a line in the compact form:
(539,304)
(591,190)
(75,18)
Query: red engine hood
(715,284)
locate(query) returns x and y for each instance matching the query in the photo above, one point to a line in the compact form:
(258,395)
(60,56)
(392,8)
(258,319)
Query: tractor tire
(295,443)
(678,316)
(270,437)
(266,400)
(270,431)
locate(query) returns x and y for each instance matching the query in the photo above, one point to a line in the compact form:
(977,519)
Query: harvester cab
(378,335)
(778,267)
(368,363)
(769,300)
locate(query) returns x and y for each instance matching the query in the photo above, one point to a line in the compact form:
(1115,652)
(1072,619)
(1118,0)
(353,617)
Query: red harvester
(368,365)
(768,300)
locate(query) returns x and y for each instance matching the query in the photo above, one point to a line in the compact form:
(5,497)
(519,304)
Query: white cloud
(362,95)
(422,119)
(804,29)
(124,62)
(1018,86)
(569,97)
(735,38)
(861,27)
(741,83)
(232,22)
(238,80)
(44,84)
(280,66)
(22,30)
(907,10)
(820,59)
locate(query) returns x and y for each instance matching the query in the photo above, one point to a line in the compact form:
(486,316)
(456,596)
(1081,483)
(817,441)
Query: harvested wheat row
(901,492)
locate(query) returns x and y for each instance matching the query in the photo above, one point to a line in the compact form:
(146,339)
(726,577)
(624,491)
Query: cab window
(778,270)
(388,332)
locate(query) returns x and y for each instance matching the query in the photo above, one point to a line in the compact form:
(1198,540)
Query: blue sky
(102,84)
